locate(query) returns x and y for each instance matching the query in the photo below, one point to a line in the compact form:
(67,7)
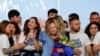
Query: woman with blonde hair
(55,30)
(59,22)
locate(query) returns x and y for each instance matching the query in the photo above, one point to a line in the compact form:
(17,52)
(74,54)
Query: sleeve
(87,40)
(1,53)
(97,38)
(21,38)
(84,39)
(42,37)
(4,41)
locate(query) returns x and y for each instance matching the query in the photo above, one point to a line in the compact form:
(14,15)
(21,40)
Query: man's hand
(96,48)
(77,51)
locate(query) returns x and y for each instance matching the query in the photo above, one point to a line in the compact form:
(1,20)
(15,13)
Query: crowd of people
(58,37)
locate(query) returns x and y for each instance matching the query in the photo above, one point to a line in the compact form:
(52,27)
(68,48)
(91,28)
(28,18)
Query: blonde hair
(58,21)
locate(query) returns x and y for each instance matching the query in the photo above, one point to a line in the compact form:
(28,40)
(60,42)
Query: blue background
(39,8)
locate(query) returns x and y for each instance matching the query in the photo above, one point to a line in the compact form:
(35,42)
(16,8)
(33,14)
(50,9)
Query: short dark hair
(52,11)
(73,16)
(13,12)
(5,21)
(94,13)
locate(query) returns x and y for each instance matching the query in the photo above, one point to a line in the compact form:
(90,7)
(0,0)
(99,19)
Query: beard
(76,30)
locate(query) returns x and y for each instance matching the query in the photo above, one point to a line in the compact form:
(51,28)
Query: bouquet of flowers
(65,41)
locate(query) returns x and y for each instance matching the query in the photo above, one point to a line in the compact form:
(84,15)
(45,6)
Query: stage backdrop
(39,8)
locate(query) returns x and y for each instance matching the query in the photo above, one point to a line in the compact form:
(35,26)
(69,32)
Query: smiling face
(93,29)
(10,29)
(32,24)
(52,29)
